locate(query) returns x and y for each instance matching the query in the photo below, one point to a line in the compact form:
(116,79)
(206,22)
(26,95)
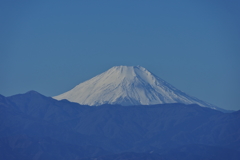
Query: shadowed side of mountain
(111,129)
(26,135)
(46,108)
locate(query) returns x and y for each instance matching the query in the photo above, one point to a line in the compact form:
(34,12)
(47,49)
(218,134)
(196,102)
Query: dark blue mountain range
(33,126)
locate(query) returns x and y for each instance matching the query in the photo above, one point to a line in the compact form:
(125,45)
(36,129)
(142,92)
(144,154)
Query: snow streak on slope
(128,85)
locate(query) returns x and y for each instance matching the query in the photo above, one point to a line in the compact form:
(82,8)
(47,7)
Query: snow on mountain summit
(127,85)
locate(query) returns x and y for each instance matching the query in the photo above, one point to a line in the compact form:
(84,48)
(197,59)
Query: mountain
(126,86)
(33,126)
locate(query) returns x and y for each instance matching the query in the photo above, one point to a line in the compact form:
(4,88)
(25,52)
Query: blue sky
(51,46)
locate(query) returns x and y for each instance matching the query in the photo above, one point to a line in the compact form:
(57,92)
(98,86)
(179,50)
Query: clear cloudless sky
(52,45)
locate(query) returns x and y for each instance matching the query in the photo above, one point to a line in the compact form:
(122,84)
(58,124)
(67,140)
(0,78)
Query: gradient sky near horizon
(51,46)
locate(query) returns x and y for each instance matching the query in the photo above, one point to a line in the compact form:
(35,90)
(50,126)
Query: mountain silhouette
(34,126)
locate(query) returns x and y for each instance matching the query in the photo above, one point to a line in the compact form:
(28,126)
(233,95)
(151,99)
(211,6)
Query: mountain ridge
(33,124)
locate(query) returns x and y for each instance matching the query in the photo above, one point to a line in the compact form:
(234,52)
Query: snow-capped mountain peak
(128,85)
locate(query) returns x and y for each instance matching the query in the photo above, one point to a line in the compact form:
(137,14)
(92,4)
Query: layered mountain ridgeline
(33,126)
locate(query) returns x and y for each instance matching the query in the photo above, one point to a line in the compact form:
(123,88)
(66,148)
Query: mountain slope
(128,85)
(32,124)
